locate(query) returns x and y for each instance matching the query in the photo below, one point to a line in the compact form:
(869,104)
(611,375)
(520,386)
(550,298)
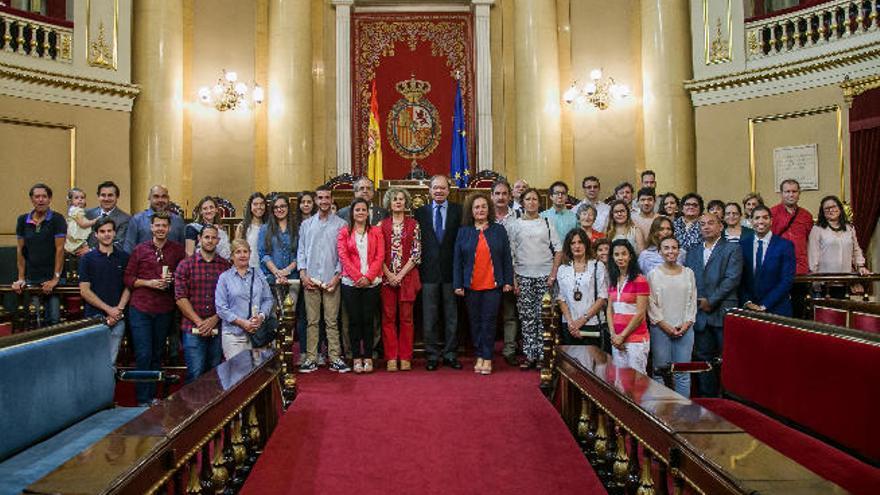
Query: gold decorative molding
(101,52)
(752,121)
(854,87)
(718,50)
(68,81)
(784,70)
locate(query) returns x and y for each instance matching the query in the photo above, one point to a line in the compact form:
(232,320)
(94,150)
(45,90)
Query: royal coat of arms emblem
(414,122)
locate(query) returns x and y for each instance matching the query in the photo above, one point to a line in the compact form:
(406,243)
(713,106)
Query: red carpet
(448,431)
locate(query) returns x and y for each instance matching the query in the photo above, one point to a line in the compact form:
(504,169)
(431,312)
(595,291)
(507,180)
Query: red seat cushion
(865,322)
(826,461)
(825,383)
(832,316)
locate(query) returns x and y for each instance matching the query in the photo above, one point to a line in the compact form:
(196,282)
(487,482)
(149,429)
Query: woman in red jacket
(401,283)
(361,252)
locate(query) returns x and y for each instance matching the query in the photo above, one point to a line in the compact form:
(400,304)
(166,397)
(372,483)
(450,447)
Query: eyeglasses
(557,193)
(692,205)
(279,207)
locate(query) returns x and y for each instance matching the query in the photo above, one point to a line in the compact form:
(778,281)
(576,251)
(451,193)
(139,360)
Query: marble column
(667,112)
(289,98)
(343,85)
(538,113)
(157,116)
(484,83)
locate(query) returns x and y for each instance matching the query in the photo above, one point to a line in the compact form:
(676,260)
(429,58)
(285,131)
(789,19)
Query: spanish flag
(374,140)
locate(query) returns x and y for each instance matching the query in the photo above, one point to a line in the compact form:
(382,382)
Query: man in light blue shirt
(320,273)
(563,219)
(139,225)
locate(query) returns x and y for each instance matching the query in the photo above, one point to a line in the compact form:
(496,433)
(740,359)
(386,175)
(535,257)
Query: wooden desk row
(642,437)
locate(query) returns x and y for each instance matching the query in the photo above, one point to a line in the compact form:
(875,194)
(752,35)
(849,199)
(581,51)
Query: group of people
(632,274)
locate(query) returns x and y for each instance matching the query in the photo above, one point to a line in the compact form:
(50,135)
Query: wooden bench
(796,417)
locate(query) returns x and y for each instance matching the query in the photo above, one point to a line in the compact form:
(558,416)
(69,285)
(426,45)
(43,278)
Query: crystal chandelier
(229,93)
(599,91)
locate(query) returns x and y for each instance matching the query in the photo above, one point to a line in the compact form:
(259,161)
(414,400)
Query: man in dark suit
(717,266)
(439,221)
(108,195)
(769,267)
(364,188)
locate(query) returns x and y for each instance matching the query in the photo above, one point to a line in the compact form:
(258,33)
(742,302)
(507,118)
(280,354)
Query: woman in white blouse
(583,292)
(534,247)
(833,246)
(673,310)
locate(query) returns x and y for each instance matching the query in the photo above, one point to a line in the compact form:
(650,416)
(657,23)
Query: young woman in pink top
(628,295)
(361,253)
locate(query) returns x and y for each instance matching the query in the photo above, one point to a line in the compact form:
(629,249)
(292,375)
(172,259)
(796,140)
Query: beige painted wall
(607,143)
(42,154)
(723,144)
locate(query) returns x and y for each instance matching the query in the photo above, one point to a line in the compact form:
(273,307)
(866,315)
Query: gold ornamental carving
(720,48)
(753,44)
(101,52)
(854,87)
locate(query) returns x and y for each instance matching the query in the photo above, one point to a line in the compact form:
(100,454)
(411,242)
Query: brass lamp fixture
(600,91)
(230,94)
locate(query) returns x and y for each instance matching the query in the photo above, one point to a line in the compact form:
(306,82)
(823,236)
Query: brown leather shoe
(405,365)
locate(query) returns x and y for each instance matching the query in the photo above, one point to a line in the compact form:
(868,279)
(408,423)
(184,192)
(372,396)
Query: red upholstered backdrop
(864,138)
(397,47)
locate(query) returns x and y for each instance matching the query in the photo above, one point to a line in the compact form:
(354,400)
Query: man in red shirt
(794,223)
(149,276)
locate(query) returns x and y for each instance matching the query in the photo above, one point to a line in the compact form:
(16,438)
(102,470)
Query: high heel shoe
(487,367)
(478,367)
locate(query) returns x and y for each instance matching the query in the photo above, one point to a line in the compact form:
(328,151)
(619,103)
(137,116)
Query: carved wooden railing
(203,439)
(822,24)
(36,36)
(26,314)
(641,437)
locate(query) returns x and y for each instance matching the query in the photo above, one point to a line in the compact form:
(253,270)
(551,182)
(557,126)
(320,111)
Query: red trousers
(397,346)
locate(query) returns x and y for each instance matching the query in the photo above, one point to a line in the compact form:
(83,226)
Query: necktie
(759,256)
(438,223)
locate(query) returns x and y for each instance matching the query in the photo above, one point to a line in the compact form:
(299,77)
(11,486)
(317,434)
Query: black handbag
(604,333)
(268,330)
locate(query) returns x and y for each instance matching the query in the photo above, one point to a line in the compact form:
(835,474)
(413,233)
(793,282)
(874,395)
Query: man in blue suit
(769,267)
(717,266)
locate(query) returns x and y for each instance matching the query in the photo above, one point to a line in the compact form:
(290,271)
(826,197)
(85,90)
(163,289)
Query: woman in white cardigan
(673,310)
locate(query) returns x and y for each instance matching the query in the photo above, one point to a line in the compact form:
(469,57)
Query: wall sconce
(599,92)
(229,93)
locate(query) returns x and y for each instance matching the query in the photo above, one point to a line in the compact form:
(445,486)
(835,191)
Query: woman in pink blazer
(361,253)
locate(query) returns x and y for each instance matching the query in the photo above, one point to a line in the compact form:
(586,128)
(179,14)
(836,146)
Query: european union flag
(458,166)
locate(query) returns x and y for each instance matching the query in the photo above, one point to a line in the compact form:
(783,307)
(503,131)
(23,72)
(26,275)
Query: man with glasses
(563,219)
(149,276)
(687,226)
(794,223)
(516,194)
(364,188)
(592,188)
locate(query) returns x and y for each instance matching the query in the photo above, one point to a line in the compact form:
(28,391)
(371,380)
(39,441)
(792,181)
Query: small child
(78,226)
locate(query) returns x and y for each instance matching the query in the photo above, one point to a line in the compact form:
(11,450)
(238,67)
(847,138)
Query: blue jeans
(148,334)
(707,347)
(666,350)
(482,307)
(117,331)
(51,306)
(201,353)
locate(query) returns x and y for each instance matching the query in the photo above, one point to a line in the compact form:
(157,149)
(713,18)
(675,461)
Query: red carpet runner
(450,432)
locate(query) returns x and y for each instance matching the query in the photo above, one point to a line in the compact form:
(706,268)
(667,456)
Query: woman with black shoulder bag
(583,293)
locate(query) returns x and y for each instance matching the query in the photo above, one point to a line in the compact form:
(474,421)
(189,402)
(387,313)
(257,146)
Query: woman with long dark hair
(481,270)
(305,206)
(628,295)
(249,228)
(583,292)
(833,246)
(670,206)
(650,258)
(734,230)
(361,253)
(277,243)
